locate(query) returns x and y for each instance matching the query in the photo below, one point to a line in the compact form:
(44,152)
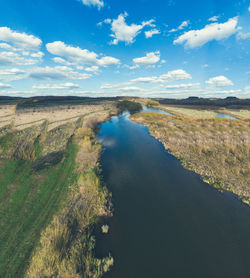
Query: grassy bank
(66,246)
(28,201)
(218,149)
(51,197)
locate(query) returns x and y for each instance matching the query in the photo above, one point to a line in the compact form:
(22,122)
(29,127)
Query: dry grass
(55,116)
(66,246)
(194,113)
(239,114)
(218,149)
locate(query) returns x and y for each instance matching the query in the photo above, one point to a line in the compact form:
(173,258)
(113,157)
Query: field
(48,172)
(218,149)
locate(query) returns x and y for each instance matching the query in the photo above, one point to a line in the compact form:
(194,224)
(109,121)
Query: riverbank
(217,149)
(52,195)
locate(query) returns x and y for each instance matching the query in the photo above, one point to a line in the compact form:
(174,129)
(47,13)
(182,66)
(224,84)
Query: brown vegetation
(216,148)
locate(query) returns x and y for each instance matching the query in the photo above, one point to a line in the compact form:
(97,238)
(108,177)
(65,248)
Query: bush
(131,106)
(152,103)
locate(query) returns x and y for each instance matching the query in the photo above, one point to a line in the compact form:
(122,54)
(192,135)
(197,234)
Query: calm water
(225,116)
(167,222)
(147,109)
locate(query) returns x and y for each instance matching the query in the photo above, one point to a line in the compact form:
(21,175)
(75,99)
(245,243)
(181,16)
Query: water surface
(222,115)
(167,222)
(148,109)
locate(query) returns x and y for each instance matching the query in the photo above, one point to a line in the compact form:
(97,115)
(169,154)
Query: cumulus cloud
(123,32)
(7,46)
(113,86)
(11,74)
(183,86)
(8,58)
(94,69)
(150,33)
(57,73)
(131,89)
(219,81)
(20,40)
(64,86)
(13,71)
(108,61)
(213,31)
(174,75)
(180,27)
(5,86)
(214,18)
(77,55)
(150,59)
(61,61)
(98,3)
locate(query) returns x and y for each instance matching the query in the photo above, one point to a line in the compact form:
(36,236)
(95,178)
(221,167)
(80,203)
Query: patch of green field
(28,201)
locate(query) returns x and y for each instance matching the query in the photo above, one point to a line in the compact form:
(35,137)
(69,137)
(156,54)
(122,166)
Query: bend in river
(167,222)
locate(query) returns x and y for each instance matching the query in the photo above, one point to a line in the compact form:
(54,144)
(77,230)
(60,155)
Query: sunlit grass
(194,113)
(217,148)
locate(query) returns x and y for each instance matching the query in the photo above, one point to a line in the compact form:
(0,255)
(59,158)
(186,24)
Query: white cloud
(131,89)
(11,74)
(113,86)
(38,54)
(182,26)
(249,8)
(61,61)
(13,71)
(213,31)
(183,86)
(7,46)
(219,81)
(108,61)
(57,73)
(175,75)
(243,36)
(77,55)
(5,86)
(94,69)
(20,40)
(150,33)
(150,79)
(151,58)
(214,18)
(9,58)
(124,32)
(98,3)
(65,86)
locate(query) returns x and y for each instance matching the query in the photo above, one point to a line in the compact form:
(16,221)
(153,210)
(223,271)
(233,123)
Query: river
(166,222)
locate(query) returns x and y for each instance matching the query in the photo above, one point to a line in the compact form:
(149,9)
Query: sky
(144,48)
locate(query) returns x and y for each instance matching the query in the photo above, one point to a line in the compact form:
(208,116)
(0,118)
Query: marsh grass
(194,113)
(218,149)
(51,196)
(28,202)
(66,246)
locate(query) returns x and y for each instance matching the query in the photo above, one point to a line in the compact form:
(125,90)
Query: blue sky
(171,48)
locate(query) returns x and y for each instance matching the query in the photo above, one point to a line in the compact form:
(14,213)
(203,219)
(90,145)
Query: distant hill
(225,102)
(39,101)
